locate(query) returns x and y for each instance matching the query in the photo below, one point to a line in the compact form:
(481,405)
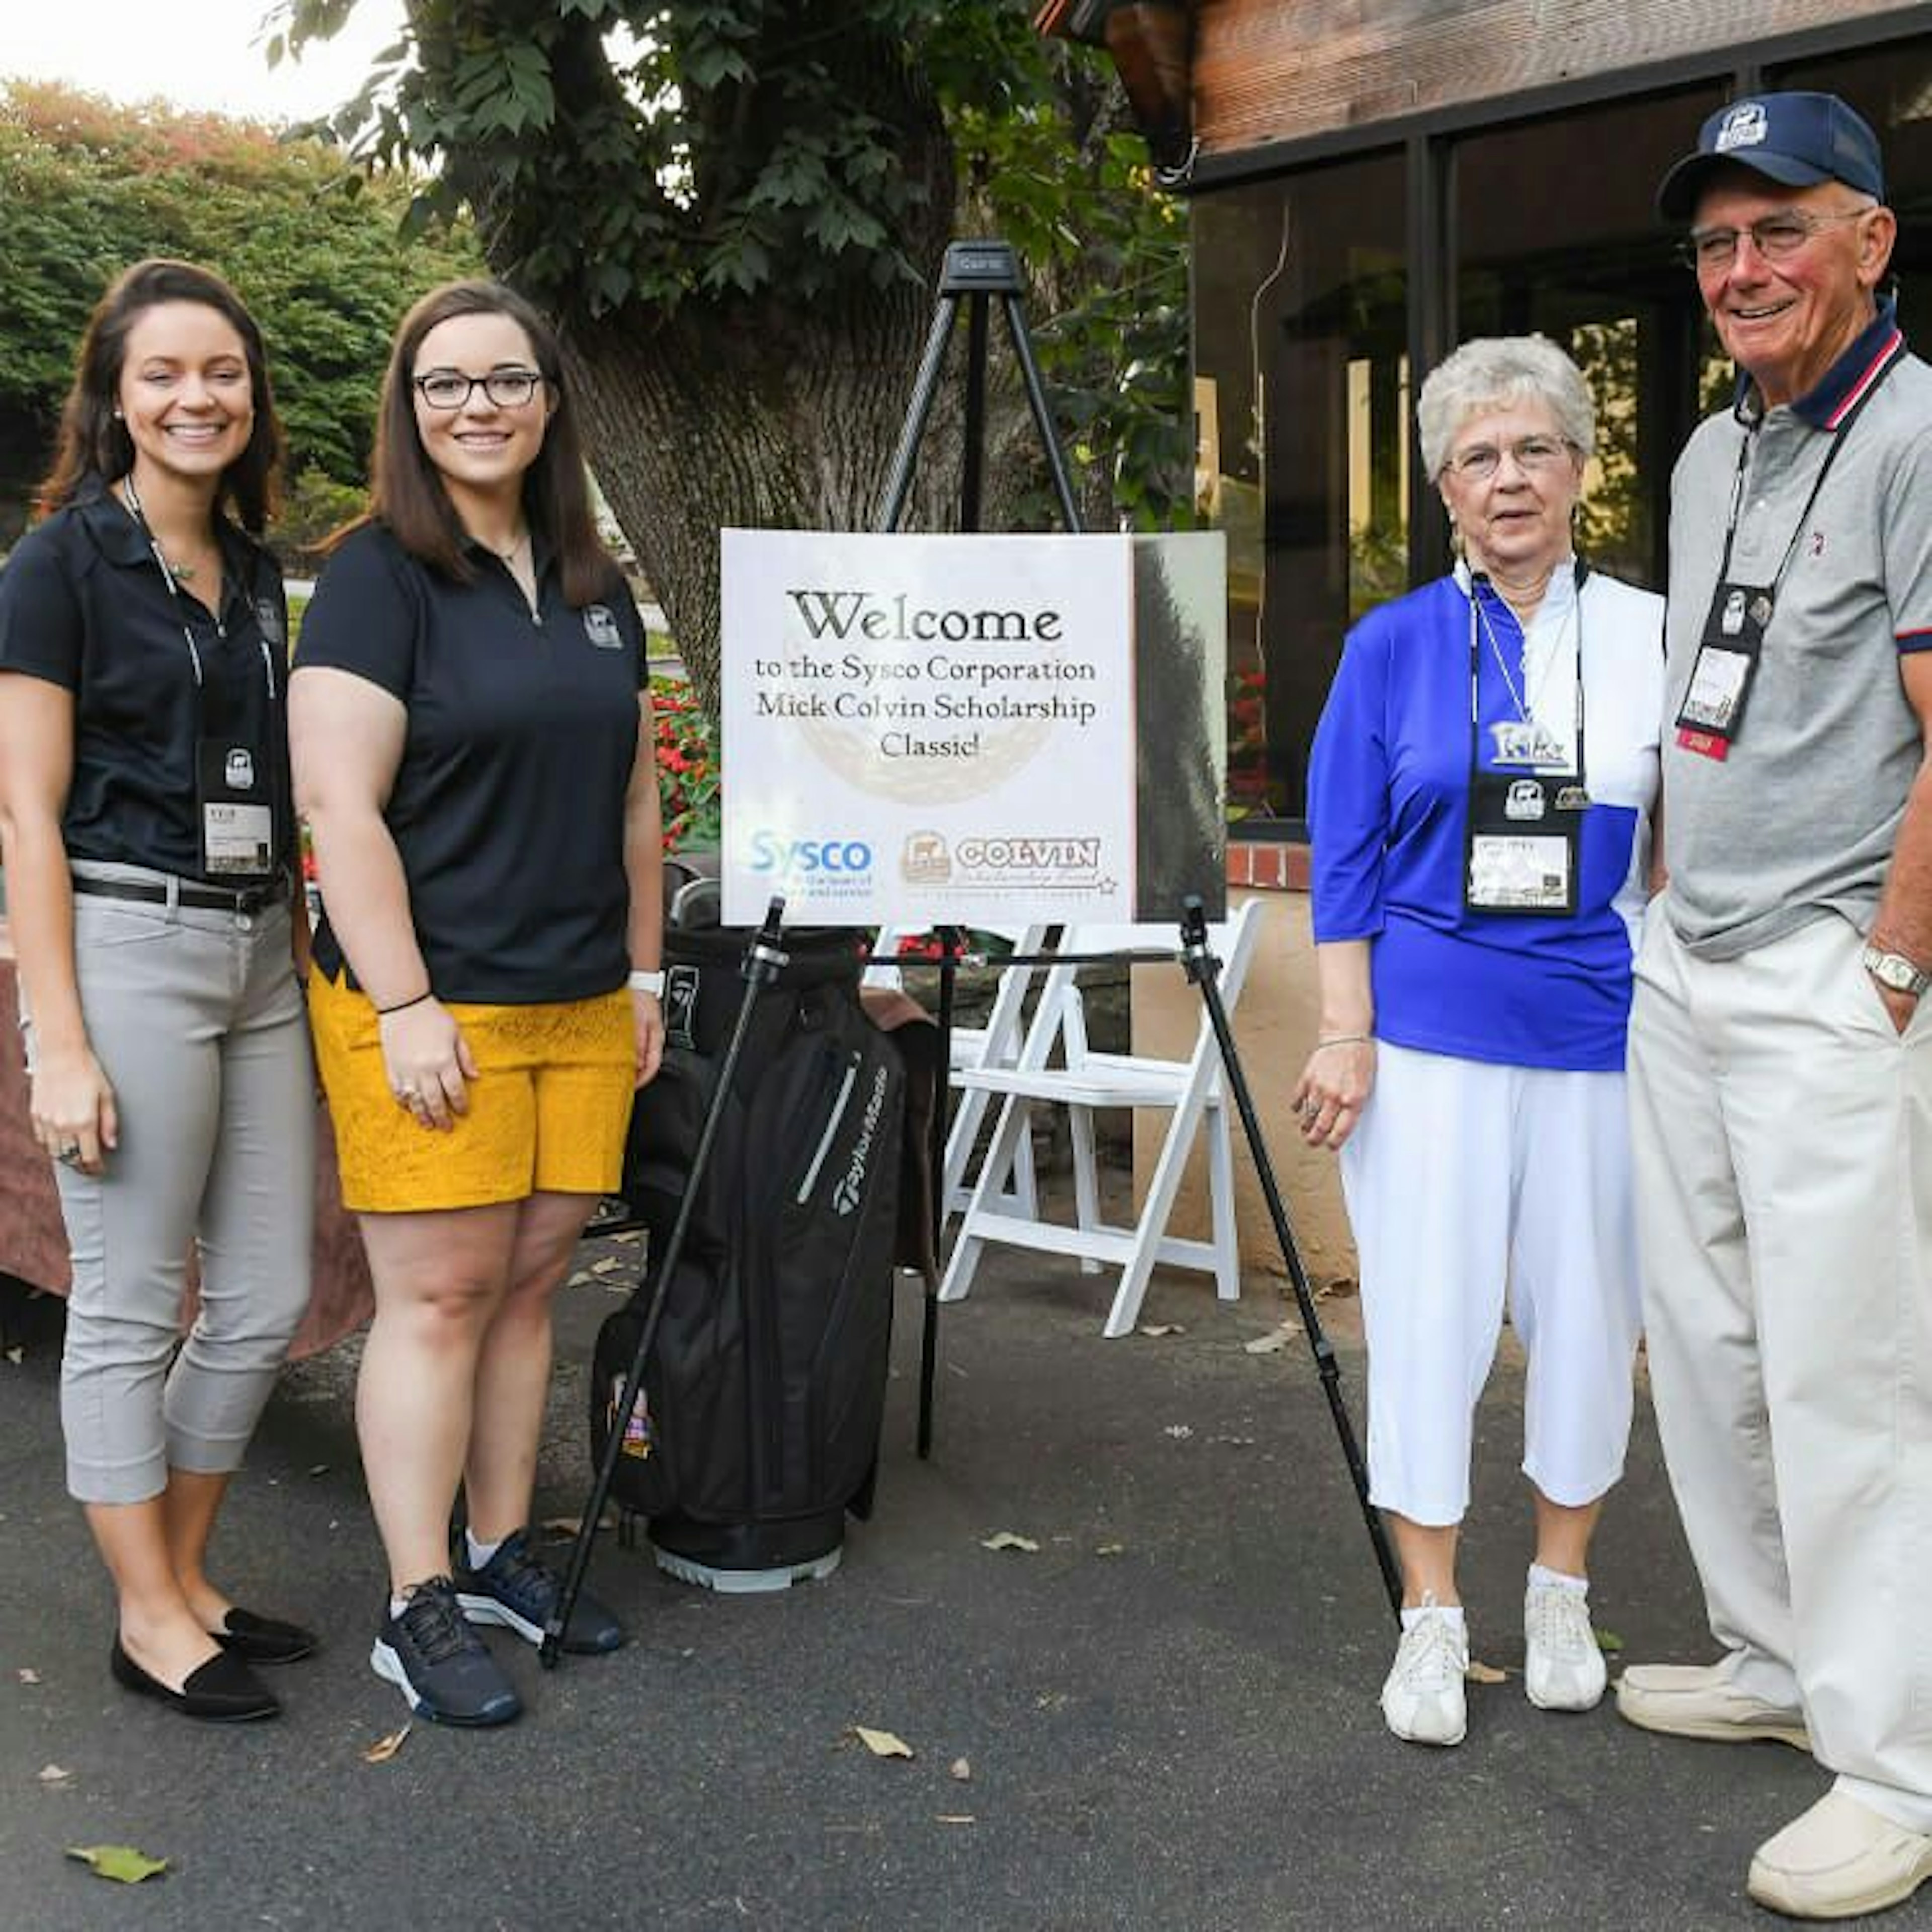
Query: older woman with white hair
(1480,800)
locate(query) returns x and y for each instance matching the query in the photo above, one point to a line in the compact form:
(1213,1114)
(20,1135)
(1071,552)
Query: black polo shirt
(84,605)
(508,808)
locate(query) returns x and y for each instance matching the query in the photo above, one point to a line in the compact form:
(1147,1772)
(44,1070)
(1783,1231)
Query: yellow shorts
(548,1111)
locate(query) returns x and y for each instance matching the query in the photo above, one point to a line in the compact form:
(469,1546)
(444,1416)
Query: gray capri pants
(196,1017)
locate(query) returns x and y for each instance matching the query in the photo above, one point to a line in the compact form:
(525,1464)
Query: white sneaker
(1423,1700)
(1565,1669)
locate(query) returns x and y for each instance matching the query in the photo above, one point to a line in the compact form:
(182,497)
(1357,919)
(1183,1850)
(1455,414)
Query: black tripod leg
(942,1108)
(1042,418)
(926,386)
(1203,969)
(763,960)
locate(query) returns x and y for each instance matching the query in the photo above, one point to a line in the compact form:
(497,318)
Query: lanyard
(1479,622)
(132,500)
(1889,359)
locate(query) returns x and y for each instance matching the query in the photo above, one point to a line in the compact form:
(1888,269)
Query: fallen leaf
(121,1863)
(1274,1341)
(1609,1643)
(54,1774)
(882,1743)
(954,1818)
(610,1265)
(629,1240)
(1179,1431)
(1109,1549)
(582,1278)
(28,1676)
(1006,1539)
(1157,1329)
(384,1749)
(16,1356)
(318,1469)
(960,1768)
(568,1526)
(1485,1673)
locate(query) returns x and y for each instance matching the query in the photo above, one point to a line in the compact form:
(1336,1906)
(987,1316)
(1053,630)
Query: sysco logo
(771,852)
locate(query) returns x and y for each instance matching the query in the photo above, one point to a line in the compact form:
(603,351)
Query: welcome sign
(923,729)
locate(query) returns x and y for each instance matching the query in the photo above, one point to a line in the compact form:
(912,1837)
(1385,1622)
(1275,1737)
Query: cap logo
(1743,126)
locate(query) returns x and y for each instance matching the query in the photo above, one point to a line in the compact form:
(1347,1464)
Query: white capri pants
(1463,1180)
(197,1021)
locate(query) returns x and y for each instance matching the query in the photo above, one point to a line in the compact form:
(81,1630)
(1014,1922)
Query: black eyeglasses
(450,389)
(1777,238)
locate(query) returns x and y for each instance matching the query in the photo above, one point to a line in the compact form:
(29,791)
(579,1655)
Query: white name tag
(1519,872)
(239,837)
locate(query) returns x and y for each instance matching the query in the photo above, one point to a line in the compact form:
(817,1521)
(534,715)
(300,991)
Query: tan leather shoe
(1841,1860)
(1699,1700)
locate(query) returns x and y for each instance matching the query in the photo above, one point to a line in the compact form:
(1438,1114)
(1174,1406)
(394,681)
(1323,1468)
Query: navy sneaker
(431,1654)
(520,1591)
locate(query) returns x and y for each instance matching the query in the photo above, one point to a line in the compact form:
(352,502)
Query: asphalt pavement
(1162,1717)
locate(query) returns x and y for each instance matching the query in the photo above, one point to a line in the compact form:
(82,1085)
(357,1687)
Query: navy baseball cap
(1795,139)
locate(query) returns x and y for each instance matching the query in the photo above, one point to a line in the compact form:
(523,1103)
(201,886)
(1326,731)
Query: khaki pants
(1782,1134)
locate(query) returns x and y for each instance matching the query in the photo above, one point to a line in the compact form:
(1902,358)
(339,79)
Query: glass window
(1552,240)
(1891,87)
(1302,404)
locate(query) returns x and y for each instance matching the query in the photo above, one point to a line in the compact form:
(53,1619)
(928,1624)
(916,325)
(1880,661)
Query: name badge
(1522,872)
(238,813)
(1713,710)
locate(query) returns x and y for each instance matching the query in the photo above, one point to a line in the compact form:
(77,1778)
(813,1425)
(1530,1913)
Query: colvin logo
(851,1188)
(924,859)
(1021,854)
(241,770)
(600,628)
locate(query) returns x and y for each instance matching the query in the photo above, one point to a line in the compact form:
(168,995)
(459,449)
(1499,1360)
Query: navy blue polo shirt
(507,807)
(84,605)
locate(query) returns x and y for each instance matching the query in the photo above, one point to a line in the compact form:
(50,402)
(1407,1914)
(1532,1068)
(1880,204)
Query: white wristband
(641,981)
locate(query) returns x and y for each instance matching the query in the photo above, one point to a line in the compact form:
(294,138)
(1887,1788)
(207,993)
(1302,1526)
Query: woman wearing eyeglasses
(1479,798)
(468,718)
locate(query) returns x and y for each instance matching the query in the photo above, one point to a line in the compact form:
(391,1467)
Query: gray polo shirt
(1799,821)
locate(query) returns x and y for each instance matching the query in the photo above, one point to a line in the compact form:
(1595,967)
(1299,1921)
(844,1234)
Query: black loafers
(223,1690)
(264,1639)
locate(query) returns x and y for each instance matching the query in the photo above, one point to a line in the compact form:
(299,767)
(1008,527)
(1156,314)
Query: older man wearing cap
(1780,1042)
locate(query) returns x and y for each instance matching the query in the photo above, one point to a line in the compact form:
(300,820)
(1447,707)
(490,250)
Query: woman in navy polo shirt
(472,750)
(149,844)
(1479,799)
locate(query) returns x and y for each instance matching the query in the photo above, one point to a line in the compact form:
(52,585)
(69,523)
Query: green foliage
(89,188)
(313,506)
(634,155)
(1073,192)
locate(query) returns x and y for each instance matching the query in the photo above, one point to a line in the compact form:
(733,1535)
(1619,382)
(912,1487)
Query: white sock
(480,1553)
(1556,1580)
(398,1605)
(1430,1608)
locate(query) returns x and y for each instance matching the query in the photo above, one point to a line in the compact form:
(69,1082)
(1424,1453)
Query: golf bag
(757,1425)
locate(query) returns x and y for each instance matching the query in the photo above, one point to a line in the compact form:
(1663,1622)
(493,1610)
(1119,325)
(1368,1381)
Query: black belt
(205,898)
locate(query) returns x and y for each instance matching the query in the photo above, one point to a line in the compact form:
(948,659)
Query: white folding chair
(1192,1091)
(995,1044)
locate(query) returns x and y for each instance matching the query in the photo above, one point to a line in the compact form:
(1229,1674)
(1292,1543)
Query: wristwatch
(642,982)
(1895,970)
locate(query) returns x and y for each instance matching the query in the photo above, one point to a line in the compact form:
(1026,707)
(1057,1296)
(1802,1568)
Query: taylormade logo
(851,1188)
(836,615)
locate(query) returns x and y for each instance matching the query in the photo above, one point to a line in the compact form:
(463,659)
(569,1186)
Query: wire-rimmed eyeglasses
(450,388)
(1776,237)
(1481,460)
